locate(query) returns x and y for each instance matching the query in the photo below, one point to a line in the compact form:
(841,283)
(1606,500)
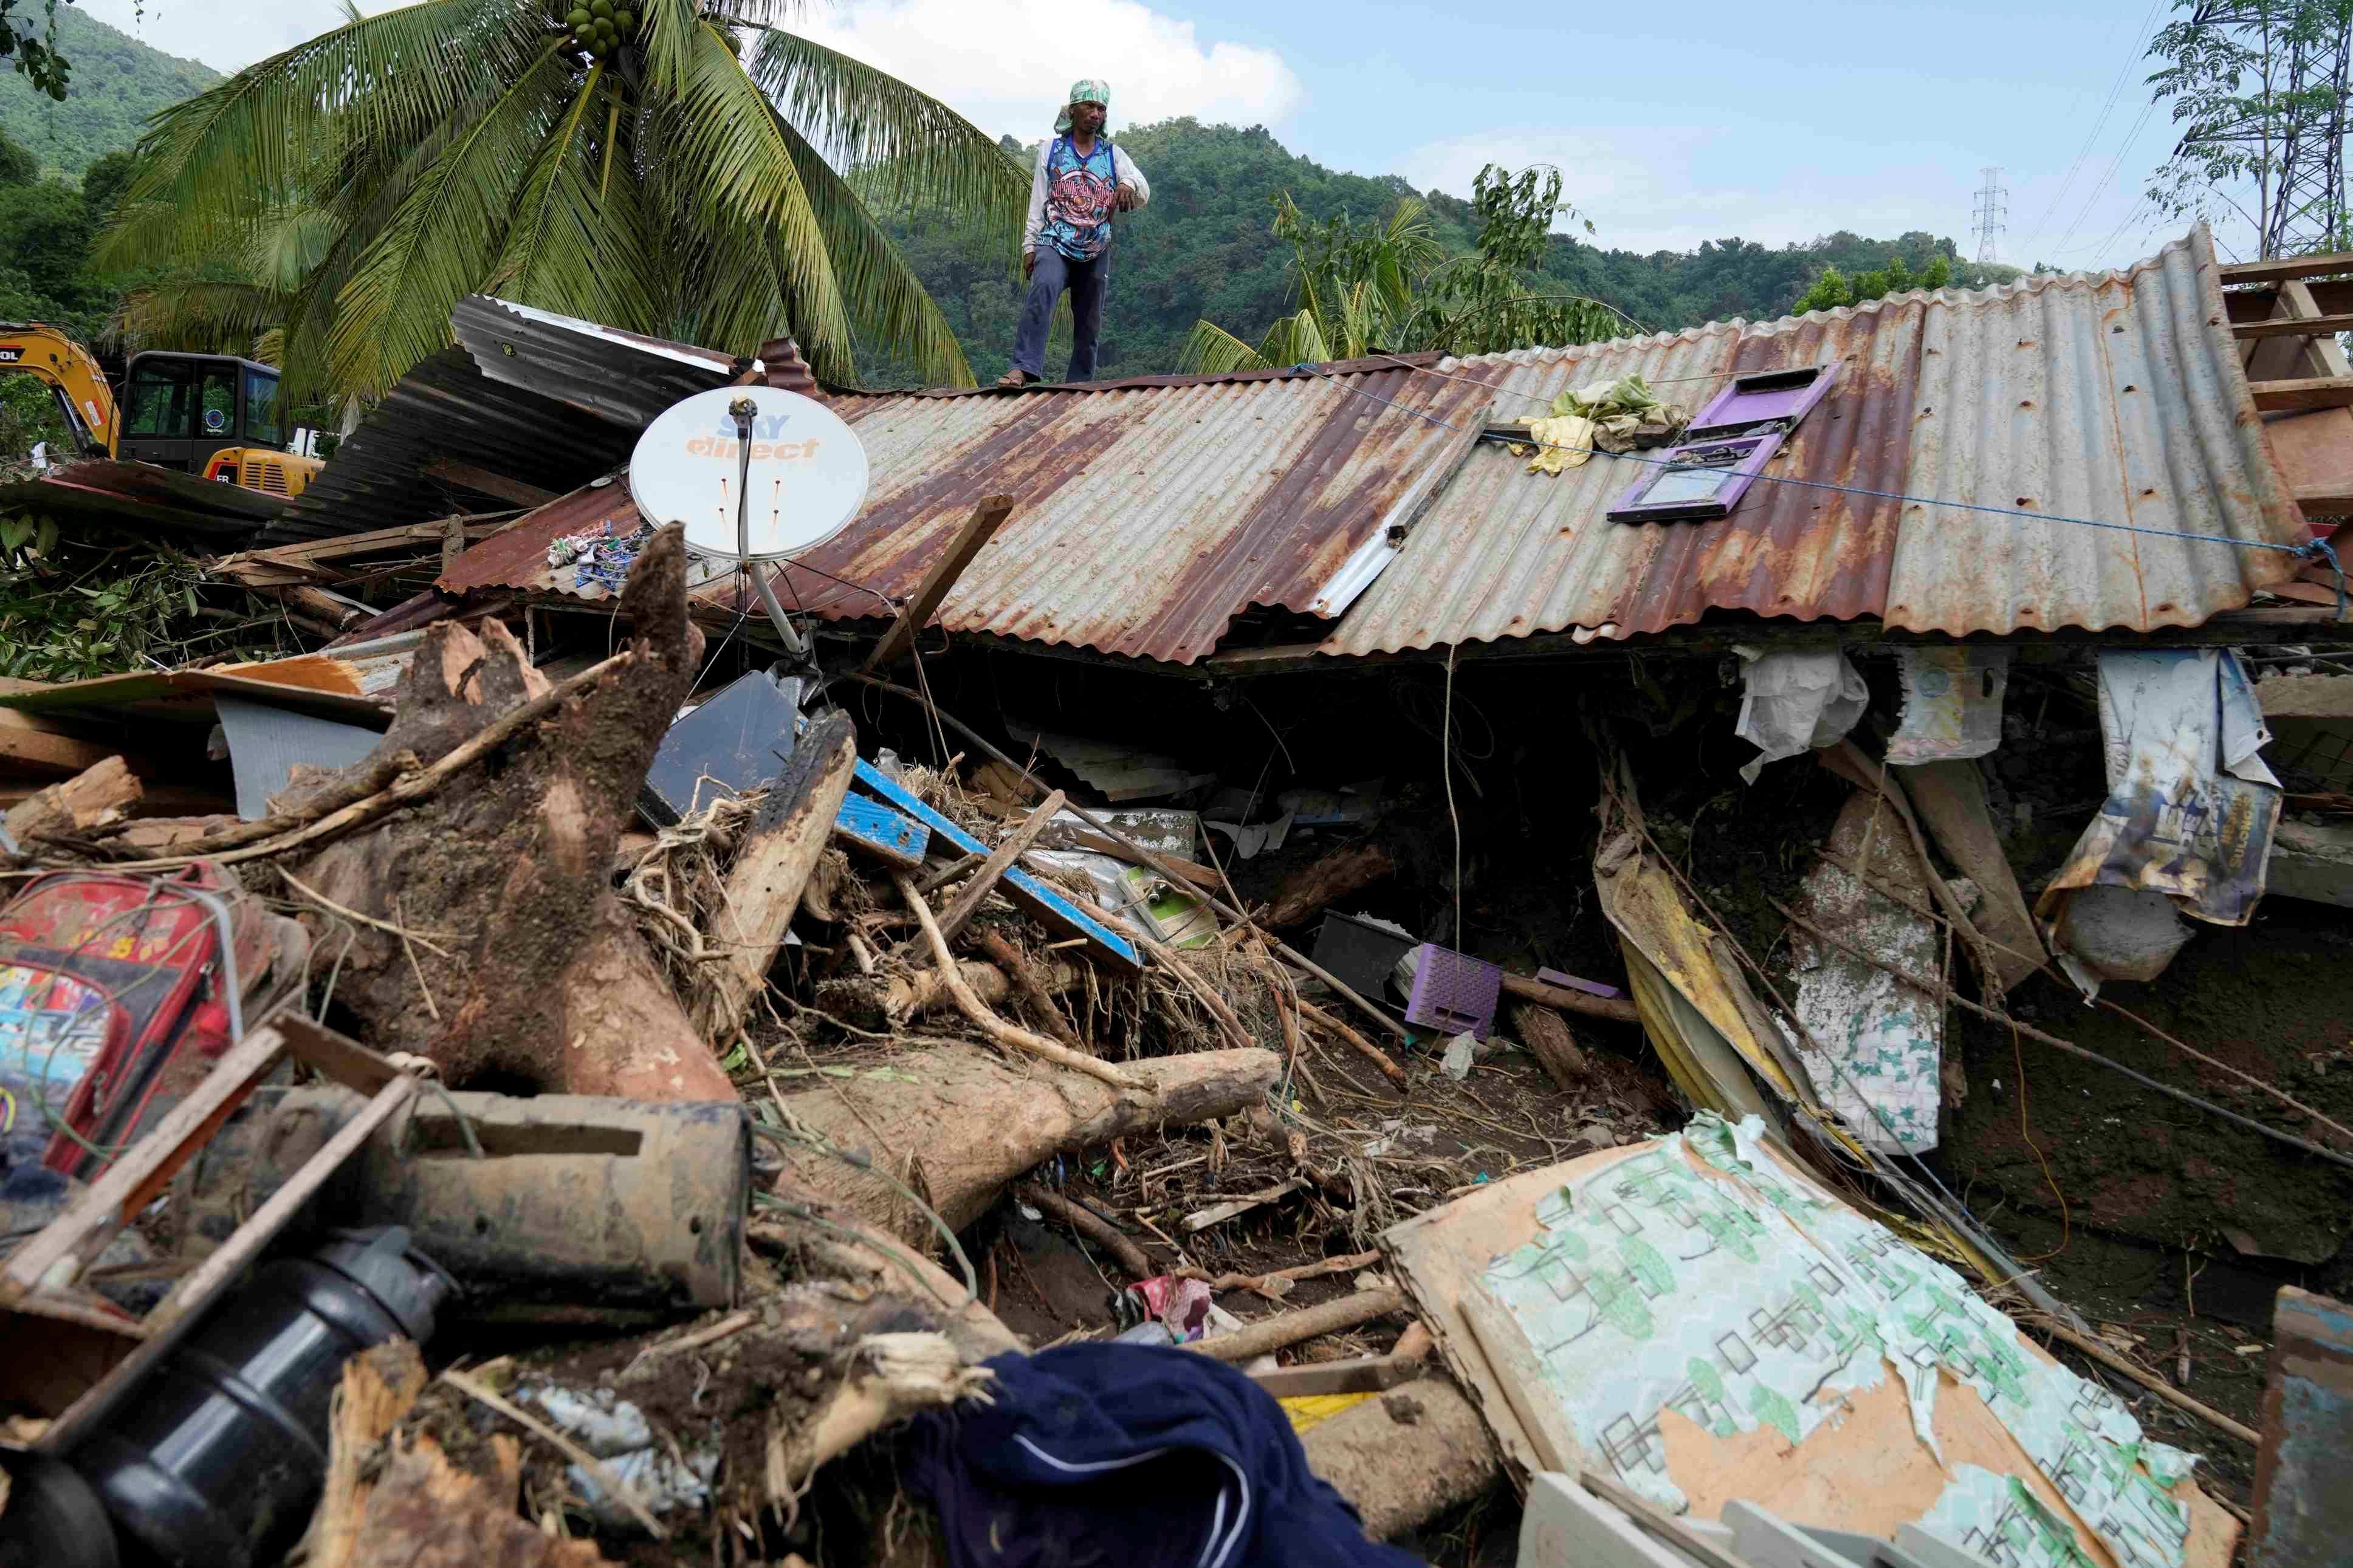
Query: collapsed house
(1530,885)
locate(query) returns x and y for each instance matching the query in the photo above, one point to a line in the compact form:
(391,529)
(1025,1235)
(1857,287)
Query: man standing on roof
(1080,179)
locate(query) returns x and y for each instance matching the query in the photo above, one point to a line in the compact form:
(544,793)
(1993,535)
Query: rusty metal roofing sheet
(621,377)
(142,496)
(1148,514)
(2114,397)
(1145,518)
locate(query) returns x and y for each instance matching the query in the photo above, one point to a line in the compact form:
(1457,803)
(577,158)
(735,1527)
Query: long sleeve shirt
(1125,173)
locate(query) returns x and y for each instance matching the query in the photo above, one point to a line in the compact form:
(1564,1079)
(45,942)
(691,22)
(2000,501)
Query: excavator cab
(211,415)
(179,409)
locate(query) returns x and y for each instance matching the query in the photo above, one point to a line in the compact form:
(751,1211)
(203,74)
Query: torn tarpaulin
(1797,700)
(2191,805)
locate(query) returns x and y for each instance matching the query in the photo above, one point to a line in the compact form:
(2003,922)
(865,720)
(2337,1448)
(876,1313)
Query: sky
(1672,125)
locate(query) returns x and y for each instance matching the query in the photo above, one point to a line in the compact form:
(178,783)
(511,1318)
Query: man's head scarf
(1088,92)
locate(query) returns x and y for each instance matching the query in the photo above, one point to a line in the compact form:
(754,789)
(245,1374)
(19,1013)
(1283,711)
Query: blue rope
(2316,550)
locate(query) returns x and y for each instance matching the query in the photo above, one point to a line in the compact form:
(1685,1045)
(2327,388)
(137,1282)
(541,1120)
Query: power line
(2116,89)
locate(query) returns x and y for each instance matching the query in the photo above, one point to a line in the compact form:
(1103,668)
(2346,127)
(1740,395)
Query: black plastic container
(1360,956)
(215,1460)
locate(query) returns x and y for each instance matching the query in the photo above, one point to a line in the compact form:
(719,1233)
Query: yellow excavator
(213,415)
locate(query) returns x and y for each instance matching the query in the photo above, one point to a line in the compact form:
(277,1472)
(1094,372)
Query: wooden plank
(2303,392)
(185,1306)
(878,831)
(977,531)
(2328,264)
(107,1205)
(1361,1374)
(1059,913)
(2292,327)
(40,747)
(992,870)
(487,483)
(781,846)
(2324,500)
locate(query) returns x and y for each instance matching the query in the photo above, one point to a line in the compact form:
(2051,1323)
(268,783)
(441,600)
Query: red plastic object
(150,957)
(1454,992)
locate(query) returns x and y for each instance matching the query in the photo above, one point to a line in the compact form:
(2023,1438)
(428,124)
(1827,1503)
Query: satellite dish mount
(757,475)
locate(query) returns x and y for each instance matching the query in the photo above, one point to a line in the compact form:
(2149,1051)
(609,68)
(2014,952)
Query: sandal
(1017,378)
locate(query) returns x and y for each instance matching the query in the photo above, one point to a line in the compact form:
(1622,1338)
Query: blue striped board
(1057,912)
(890,837)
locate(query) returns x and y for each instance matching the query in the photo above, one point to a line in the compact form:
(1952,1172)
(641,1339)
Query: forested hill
(1202,250)
(116,83)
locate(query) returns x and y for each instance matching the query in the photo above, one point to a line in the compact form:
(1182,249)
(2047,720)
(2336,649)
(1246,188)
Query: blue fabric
(1088,282)
(1099,1455)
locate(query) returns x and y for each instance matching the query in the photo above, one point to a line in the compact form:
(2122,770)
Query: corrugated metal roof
(2114,397)
(1145,518)
(1148,514)
(142,496)
(445,418)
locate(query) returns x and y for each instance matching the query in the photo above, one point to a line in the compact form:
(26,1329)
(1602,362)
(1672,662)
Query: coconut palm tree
(666,166)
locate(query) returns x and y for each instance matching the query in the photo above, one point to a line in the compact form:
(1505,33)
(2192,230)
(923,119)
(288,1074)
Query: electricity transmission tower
(1993,205)
(2287,135)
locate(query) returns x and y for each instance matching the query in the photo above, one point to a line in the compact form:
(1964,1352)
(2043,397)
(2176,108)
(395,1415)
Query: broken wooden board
(1033,896)
(884,834)
(1698,1320)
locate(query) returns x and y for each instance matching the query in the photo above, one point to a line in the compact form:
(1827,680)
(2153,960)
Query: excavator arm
(72,374)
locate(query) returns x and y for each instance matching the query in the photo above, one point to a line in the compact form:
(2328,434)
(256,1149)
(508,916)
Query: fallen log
(98,795)
(1306,891)
(1547,1038)
(969,1124)
(786,838)
(1286,1329)
(1619,1010)
(1405,1457)
(536,971)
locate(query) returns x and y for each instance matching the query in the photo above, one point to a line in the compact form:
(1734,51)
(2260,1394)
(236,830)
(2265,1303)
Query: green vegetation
(640,173)
(33,48)
(1834,288)
(117,82)
(1202,252)
(1390,288)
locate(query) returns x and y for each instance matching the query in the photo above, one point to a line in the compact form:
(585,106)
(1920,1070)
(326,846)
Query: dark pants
(1088,281)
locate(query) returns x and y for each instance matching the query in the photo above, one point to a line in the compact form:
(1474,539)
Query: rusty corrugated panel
(2113,397)
(624,378)
(143,497)
(516,556)
(1145,519)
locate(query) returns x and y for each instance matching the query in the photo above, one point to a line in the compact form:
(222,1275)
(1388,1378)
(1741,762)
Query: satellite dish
(808,478)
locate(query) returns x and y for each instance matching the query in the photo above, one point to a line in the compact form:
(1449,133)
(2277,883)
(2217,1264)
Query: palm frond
(382,81)
(889,309)
(198,316)
(577,241)
(719,127)
(447,232)
(1210,350)
(864,120)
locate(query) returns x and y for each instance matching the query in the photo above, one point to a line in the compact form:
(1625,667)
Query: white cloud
(1004,63)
